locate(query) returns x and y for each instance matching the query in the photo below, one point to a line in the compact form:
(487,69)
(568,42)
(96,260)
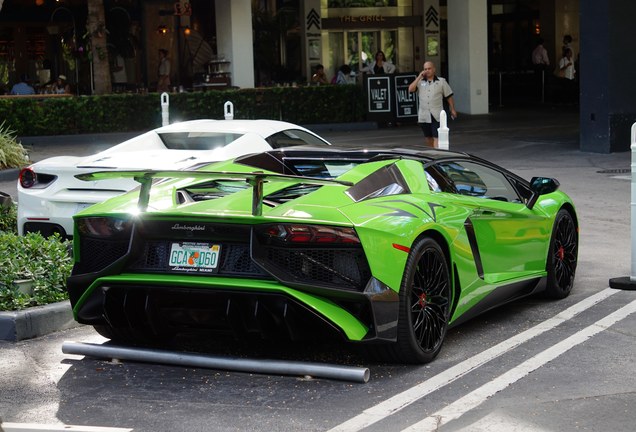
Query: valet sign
(379,94)
(405,102)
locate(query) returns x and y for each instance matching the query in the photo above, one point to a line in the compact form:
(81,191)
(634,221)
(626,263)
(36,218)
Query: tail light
(311,234)
(104,227)
(27,178)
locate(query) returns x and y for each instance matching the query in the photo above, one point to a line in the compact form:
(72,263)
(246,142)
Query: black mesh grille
(96,254)
(155,256)
(343,268)
(235,259)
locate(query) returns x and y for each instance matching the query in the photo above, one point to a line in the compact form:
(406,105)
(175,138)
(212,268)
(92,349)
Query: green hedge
(136,112)
(45,261)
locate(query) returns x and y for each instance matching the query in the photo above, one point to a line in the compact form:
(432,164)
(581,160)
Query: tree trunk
(96,26)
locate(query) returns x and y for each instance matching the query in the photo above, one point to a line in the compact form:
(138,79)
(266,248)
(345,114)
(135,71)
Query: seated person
(23,87)
(319,77)
(60,86)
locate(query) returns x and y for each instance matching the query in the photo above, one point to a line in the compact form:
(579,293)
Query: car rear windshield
(294,137)
(198,140)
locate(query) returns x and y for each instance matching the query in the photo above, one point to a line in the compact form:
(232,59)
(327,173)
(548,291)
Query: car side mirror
(541,186)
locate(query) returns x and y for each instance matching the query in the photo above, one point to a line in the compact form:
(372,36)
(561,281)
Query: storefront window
(372,42)
(353,50)
(358,48)
(336,52)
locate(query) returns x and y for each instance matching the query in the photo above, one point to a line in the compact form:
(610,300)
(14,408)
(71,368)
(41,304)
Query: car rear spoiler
(254,179)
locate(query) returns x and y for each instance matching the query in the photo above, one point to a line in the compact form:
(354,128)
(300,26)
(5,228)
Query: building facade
(483,47)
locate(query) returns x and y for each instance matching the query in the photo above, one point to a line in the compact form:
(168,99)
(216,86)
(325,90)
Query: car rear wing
(254,179)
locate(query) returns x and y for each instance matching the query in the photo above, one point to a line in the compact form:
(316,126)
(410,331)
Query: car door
(508,239)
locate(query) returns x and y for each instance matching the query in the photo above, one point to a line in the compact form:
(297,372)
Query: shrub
(12,154)
(136,112)
(46,261)
(8,217)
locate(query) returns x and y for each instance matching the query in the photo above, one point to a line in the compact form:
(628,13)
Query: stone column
(234,39)
(468,55)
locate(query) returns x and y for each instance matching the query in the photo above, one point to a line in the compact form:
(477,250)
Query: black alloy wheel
(425,299)
(562,256)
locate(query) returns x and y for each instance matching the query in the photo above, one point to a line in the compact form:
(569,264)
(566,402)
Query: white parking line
(402,400)
(480,395)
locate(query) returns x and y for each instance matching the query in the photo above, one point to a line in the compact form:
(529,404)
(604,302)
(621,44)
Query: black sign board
(379,94)
(405,102)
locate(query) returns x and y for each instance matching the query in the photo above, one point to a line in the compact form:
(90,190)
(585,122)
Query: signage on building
(312,35)
(370,21)
(405,102)
(432,24)
(432,18)
(313,20)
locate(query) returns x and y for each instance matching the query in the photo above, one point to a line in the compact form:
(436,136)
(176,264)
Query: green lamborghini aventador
(377,247)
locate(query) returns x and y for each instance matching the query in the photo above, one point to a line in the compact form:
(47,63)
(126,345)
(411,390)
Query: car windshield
(197,140)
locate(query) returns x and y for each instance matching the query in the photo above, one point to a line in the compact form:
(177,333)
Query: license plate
(194,257)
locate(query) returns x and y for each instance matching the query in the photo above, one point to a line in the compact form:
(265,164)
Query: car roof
(358,153)
(260,127)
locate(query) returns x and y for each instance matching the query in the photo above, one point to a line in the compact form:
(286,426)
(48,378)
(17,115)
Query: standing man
(432,90)
(540,57)
(540,63)
(163,84)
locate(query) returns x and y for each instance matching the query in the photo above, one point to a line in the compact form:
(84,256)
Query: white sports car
(49,194)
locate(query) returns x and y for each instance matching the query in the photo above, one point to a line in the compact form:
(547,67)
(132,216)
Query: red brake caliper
(422,300)
(561,253)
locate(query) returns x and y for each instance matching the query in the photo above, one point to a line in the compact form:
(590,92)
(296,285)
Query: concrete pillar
(608,62)
(234,39)
(468,54)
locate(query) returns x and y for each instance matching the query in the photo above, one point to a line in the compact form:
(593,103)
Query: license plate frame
(194,257)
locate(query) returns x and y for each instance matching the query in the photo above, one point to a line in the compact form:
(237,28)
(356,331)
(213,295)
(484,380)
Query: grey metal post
(165,109)
(500,89)
(543,86)
(228,110)
(442,131)
(629,282)
(264,366)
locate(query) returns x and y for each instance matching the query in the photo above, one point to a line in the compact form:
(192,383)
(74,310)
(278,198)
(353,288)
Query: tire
(425,299)
(562,256)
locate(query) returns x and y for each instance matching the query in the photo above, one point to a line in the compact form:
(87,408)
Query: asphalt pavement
(575,376)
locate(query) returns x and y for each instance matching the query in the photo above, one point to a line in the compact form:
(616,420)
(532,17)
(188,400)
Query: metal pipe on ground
(263,366)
